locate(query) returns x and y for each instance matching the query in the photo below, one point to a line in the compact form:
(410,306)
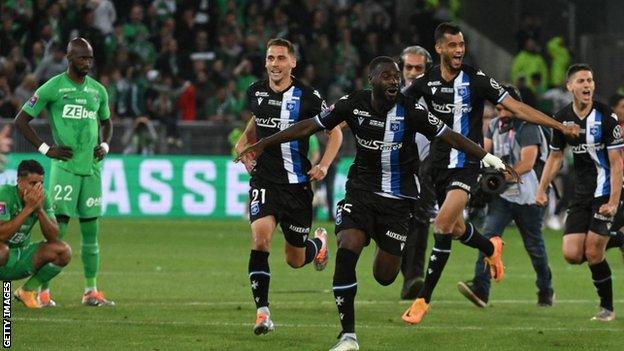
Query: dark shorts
(290,204)
(383,219)
(583,216)
(445,180)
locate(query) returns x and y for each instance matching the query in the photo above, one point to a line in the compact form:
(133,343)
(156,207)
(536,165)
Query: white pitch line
(314,325)
(362,302)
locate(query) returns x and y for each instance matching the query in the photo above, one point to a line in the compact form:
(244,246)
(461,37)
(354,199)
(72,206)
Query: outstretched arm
(531,115)
(296,131)
(460,142)
(331,150)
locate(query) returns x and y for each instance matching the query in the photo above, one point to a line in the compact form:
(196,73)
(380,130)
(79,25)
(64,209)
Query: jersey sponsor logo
(494,84)
(584,148)
(434,83)
(361,113)
(378,144)
(274,102)
(300,230)
(77,112)
(2,208)
(81,101)
(451,107)
(376,123)
(272,122)
(261,93)
(33,100)
(447,90)
(396,236)
(433,90)
(94,201)
(66,90)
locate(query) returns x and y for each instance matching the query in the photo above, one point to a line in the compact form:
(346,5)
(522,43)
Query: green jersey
(74,113)
(11,205)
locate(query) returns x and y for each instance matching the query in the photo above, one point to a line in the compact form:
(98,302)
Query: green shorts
(76,195)
(20,262)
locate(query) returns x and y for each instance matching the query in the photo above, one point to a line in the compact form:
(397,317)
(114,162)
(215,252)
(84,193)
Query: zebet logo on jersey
(77,112)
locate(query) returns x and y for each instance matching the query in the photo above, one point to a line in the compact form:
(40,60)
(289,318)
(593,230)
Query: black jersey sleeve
(557,142)
(489,88)
(612,130)
(334,114)
(315,104)
(425,123)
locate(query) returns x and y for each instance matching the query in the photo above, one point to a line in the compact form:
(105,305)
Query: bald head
(79,56)
(76,43)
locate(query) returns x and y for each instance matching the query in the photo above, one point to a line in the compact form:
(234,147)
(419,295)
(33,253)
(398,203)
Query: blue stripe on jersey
(461,117)
(294,145)
(603,181)
(290,113)
(395,175)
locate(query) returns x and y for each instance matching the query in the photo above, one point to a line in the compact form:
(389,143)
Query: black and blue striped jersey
(599,133)
(286,163)
(386,159)
(459,104)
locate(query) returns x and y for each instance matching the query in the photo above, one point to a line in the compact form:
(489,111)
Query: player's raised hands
(571,130)
(317,172)
(58,152)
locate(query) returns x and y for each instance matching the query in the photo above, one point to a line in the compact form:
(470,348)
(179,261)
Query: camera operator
(524,146)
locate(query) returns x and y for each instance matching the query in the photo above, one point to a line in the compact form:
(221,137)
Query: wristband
(44,148)
(104,145)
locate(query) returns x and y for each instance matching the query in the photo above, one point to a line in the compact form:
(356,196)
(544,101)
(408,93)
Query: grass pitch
(182,285)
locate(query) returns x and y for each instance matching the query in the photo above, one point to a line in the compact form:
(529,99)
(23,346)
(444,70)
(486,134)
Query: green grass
(182,285)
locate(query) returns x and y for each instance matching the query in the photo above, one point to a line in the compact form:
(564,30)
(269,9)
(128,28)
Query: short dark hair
(577,67)
(27,167)
(379,60)
(615,99)
(282,42)
(445,28)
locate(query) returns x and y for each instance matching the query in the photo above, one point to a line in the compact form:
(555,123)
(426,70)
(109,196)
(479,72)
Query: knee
(594,255)
(4,254)
(384,279)
(295,262)
(261,242)
(443,225)
(64,254)
(573,258)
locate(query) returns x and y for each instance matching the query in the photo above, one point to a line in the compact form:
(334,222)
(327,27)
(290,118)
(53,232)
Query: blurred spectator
(559,61)
(104,16)
(8,107)
(530,28)
(141,138)
(94,36)
(6,141)
(556,98)
(135,27)
(26,89)
(617,105)
(526,63)
(51,65)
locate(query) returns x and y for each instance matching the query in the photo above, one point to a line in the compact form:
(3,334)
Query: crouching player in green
(21,206)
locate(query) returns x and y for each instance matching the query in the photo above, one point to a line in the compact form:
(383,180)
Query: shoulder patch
(617,132)
(433,120)
(33,100)
(494,84)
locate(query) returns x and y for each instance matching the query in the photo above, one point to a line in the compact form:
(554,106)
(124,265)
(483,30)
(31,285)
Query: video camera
(492,181)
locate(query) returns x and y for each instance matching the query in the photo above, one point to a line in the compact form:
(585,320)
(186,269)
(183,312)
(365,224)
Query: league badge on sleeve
(33,100)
